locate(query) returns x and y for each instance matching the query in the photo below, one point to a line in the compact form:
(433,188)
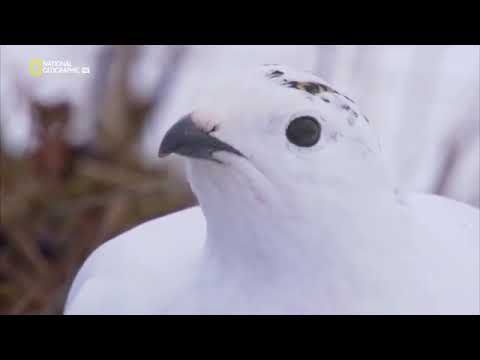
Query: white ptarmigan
(297,216)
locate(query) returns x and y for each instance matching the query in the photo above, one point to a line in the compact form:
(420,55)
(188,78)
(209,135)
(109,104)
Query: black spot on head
(348,108)
(326,88)
(292,84)
(325,100)
(312,88)
(275,74)
(366,119)
(346,97)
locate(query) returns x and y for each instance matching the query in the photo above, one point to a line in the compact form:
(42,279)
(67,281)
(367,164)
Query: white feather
(289,229)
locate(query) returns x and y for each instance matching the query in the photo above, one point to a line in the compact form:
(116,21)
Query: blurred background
(78,151)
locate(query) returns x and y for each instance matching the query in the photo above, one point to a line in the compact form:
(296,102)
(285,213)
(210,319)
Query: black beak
(187,139)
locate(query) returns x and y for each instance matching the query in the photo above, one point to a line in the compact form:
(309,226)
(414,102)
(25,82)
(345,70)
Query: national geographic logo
(35,67)
(39,67)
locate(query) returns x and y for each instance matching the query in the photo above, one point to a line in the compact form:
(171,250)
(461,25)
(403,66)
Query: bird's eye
(304,131)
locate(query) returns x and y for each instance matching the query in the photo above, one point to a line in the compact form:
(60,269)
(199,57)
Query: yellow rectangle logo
(35,67)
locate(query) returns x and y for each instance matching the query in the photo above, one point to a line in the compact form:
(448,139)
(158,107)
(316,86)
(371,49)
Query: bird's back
(139,271)
(454,248)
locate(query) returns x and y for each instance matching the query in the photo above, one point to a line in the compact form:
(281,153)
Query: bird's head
(276,131)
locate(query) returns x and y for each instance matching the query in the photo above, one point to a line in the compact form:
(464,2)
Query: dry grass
(60,201)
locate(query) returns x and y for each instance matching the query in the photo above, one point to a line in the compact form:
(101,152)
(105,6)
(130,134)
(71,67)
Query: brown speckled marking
(312,88)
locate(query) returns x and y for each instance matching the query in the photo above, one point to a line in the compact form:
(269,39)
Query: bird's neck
(307,238)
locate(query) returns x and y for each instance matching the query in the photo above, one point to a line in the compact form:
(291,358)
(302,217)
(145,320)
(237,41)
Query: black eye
(304,131)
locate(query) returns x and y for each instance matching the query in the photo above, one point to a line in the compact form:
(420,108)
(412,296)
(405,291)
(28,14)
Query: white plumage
(287,228)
